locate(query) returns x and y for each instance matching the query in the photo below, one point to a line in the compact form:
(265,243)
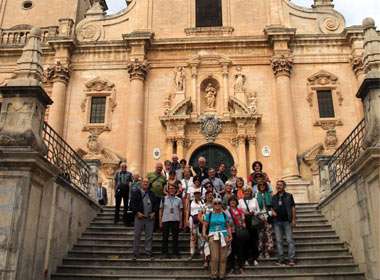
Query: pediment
(238,107)
(99,84)
(182,108)
(323,78)
(209,59)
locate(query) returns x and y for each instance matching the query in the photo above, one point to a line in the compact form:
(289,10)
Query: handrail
(339,165)
(73,169)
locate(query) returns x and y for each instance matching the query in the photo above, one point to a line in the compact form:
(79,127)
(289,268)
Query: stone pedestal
(299,189)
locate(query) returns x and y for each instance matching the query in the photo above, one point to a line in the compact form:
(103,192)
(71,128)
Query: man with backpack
(123,179)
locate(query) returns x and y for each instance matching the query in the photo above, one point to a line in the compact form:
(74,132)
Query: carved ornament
(210,127)
(282,65)
(357,64)
(331,140)
(137,69)
(328,124)
(57,72)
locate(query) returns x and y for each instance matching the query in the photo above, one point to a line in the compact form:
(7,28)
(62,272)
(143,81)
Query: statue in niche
(210,96)
(252,102)
(240,79)
(179,79)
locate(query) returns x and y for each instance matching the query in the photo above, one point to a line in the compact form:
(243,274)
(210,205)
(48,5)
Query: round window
(28,4)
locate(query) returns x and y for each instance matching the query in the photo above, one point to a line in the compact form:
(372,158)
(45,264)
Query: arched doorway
(214,154)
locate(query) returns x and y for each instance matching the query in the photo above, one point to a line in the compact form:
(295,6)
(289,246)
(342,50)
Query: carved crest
(210,127)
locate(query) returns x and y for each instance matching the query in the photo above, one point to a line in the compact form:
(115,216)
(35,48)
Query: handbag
(255,222)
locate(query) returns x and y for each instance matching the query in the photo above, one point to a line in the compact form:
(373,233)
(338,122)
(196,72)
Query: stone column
(242,154)
(137,70)
(194,88)
(59,74)
(225,66)
(252,153)
(181,147)
(169,147)
(282,66)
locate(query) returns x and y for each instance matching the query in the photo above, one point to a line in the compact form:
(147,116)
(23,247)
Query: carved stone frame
(324,80)
(99,88)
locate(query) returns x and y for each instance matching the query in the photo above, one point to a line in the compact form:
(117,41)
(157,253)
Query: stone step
(122,230)
(109,237)
(185,246)
(120,245)
(144,262)
(157,251)
(197,270)
(290,276)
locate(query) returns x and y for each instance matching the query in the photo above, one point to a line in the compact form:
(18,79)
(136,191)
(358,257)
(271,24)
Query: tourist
(251,208)
(172,180)
(217,230)
(221,173)
(240,187)
(284,218)
(157,183)
(196,207)
(227,194)
(167,168)
(264,200)
(136,183)
(201,170)
(259,178)
(144,205)
(101,194)
(216,182)
(208,187)
(123,179)
(257,167)
(170,220)
(208,208)
(194,185)
(233,178)
(240,236)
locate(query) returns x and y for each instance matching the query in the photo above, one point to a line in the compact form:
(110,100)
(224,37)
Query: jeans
(168,227)
(147,226)
(121,195)
(281,228)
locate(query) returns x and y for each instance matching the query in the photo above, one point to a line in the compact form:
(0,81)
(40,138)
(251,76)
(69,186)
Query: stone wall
(40,217)
(354,212)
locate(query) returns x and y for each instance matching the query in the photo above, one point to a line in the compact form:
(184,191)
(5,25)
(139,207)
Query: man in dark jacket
(201,170)
(123,180)
(144,204)
(284,217)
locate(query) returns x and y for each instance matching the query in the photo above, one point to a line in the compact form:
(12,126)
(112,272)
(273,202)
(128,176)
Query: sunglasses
(217,203)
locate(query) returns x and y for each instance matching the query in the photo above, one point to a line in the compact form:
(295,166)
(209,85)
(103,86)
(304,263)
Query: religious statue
(252,102)
(179,79)
(240,79)
(210,96)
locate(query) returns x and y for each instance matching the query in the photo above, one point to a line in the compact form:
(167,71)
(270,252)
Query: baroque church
(234,80)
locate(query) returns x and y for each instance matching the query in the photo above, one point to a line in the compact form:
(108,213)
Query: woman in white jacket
(251,208)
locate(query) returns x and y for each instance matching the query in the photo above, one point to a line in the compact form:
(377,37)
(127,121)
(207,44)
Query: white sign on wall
(156,153)
(266,151)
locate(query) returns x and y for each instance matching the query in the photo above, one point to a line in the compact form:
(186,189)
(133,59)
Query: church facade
(235,80)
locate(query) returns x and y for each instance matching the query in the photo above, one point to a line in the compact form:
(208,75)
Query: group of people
(231,220)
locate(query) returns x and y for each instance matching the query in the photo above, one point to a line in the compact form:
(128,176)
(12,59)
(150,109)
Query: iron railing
(73,169)
(340,163)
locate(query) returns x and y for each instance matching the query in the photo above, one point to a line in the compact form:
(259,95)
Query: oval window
(27,4)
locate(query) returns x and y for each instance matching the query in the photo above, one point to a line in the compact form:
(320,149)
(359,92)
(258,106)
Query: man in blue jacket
(144,204)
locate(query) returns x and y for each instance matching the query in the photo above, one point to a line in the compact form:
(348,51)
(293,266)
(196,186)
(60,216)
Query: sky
(353,10)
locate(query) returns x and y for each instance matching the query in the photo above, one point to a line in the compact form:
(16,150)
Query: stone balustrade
(18,37)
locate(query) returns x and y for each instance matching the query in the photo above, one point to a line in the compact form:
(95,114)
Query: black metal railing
(73,169)
(340,163)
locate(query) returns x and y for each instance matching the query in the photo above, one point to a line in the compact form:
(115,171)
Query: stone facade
(155,66)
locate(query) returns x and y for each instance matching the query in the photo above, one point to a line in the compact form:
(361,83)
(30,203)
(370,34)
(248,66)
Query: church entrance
(214,154)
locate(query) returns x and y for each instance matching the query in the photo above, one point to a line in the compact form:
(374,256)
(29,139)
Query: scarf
(264,199)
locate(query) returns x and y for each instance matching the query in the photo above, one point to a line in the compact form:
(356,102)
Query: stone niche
(209,93)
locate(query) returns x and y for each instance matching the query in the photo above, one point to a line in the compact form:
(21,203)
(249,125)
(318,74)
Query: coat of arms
(210,127)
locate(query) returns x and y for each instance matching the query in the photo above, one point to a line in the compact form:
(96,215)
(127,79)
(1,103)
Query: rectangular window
(208,13)
(98,109)
(325,104)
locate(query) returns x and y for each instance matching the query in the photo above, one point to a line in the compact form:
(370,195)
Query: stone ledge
(219,30)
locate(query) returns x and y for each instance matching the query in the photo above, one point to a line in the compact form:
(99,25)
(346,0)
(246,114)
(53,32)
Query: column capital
(357,64)
(282,65)
(251,139)
(58,73)
(137,69)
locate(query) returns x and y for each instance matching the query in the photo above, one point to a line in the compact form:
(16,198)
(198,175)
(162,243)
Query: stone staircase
(105,252)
